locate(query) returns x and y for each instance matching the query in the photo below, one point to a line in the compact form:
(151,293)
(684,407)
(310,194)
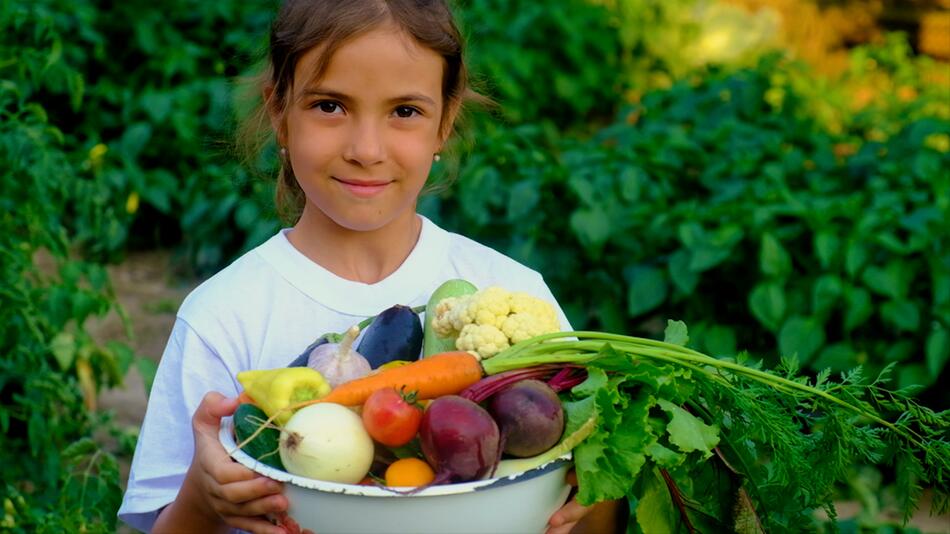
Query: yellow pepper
(275,389)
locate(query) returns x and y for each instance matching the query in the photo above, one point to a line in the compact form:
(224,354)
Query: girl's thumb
(213,407)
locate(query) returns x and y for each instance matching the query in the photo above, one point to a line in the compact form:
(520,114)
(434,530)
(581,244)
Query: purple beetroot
(459,439)
(530,417)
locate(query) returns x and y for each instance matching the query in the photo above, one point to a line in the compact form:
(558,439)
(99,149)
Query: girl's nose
(365,146)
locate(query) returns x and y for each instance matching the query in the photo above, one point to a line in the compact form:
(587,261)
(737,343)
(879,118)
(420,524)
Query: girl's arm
(218,493)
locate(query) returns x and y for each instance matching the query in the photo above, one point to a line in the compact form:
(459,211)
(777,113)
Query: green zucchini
(433,343)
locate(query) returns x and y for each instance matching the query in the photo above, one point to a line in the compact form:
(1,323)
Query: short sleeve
(189,368)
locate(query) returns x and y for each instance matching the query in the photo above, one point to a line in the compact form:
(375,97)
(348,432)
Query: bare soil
(151,296)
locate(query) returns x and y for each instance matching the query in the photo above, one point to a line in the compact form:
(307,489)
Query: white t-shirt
(260,313)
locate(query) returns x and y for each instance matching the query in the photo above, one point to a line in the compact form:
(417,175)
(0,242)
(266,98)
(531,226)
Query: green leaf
(857,307)
(655,511)
(646,289)
(691,234)
(774,260)
(63,348)
(684,278)
(900,351)
(902,313)
(523,199)
(675,333)
(687,431)
(891,281)
(801,336)
(720,340)
(938,350)
(592,227)
(707,256)
(825,293)
(914,374)
(856,255)
(147,368)
(134,140)
(767,302)
(631,179)
(839,357)
(827,245)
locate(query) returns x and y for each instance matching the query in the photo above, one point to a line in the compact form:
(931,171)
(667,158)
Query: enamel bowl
(520,503)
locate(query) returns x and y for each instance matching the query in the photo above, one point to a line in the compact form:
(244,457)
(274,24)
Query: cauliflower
(493,319)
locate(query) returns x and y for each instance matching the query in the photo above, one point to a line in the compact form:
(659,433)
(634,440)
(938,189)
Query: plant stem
(585,351)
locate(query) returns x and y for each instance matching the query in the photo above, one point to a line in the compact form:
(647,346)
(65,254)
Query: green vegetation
(773,210)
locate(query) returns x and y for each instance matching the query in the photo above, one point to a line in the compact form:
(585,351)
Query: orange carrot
(447,373)
(244,398)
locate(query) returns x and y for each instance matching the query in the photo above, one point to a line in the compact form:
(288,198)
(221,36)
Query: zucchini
(433,343)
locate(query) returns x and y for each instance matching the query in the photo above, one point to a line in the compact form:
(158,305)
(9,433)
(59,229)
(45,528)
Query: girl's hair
(303,24)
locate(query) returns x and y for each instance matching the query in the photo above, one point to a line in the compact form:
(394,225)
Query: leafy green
(719,436)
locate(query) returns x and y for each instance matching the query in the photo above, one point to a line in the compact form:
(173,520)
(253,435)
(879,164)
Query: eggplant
(395,334)
(304,358)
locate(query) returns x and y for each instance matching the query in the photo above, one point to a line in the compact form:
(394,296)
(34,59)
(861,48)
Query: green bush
(737,213)
(55,477)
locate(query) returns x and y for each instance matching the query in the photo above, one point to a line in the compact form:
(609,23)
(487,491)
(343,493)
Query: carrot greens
(701,444)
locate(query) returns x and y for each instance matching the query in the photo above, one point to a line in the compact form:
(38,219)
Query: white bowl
(520,503)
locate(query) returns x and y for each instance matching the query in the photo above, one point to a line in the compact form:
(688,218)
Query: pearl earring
(437,157)
(283,151)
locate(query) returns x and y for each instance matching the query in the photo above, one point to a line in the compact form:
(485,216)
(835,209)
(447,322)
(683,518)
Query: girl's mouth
(363,188)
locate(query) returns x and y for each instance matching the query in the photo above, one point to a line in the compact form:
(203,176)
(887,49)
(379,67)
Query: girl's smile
(363,188)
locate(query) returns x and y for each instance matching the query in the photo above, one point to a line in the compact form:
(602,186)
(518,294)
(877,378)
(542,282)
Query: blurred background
(776,173)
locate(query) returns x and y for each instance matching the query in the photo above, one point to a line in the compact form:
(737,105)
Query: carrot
(244,398)
(447,373)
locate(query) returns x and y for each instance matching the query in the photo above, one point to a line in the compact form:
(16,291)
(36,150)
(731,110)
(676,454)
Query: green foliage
(54,477)
(511,52)
(719,436)
(747,218)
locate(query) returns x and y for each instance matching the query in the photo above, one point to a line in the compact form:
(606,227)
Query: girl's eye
(327,106)
(404,112)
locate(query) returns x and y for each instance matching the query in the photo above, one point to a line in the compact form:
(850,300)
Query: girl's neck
(360,256)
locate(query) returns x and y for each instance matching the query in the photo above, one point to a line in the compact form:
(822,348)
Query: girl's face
(361,139)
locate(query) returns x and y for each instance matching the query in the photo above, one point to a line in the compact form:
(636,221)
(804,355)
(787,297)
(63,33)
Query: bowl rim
(225,436)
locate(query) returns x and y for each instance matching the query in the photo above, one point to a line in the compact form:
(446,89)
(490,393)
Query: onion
(339,362)
(326,441)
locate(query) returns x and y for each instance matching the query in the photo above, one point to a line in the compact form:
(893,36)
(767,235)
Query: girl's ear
(275,114)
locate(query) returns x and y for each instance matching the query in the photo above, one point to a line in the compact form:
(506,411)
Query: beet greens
(717,445)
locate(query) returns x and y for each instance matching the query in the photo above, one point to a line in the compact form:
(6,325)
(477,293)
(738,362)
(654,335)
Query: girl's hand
(230,493)
(565,519)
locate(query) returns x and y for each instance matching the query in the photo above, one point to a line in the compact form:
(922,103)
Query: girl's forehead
(383,59)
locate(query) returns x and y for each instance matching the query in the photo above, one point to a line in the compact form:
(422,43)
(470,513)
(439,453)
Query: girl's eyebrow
(411,97)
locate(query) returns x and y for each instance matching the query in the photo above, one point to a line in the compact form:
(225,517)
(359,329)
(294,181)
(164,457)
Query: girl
(361,96)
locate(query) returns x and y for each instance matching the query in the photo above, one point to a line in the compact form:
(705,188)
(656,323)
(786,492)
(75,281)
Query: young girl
(362,96)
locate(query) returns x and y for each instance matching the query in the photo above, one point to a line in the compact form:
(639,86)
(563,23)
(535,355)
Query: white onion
(339,362)
(326,441)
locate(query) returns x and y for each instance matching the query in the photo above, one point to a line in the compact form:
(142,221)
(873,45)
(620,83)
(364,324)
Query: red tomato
(391,418)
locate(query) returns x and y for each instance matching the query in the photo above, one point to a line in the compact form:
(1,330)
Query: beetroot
(530,417)
(459,440)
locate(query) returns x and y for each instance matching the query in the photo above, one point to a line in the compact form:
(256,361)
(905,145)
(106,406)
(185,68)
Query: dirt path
(151,297)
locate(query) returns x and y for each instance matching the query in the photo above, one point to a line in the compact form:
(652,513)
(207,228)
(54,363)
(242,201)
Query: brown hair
(301,25)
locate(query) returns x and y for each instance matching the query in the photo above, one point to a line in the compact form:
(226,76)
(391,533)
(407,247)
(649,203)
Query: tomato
(391,418)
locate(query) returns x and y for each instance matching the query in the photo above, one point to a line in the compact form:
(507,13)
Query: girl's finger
(563,529)
(270,504)
(224,471)
(248,490)
(572,512)
(257,525)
